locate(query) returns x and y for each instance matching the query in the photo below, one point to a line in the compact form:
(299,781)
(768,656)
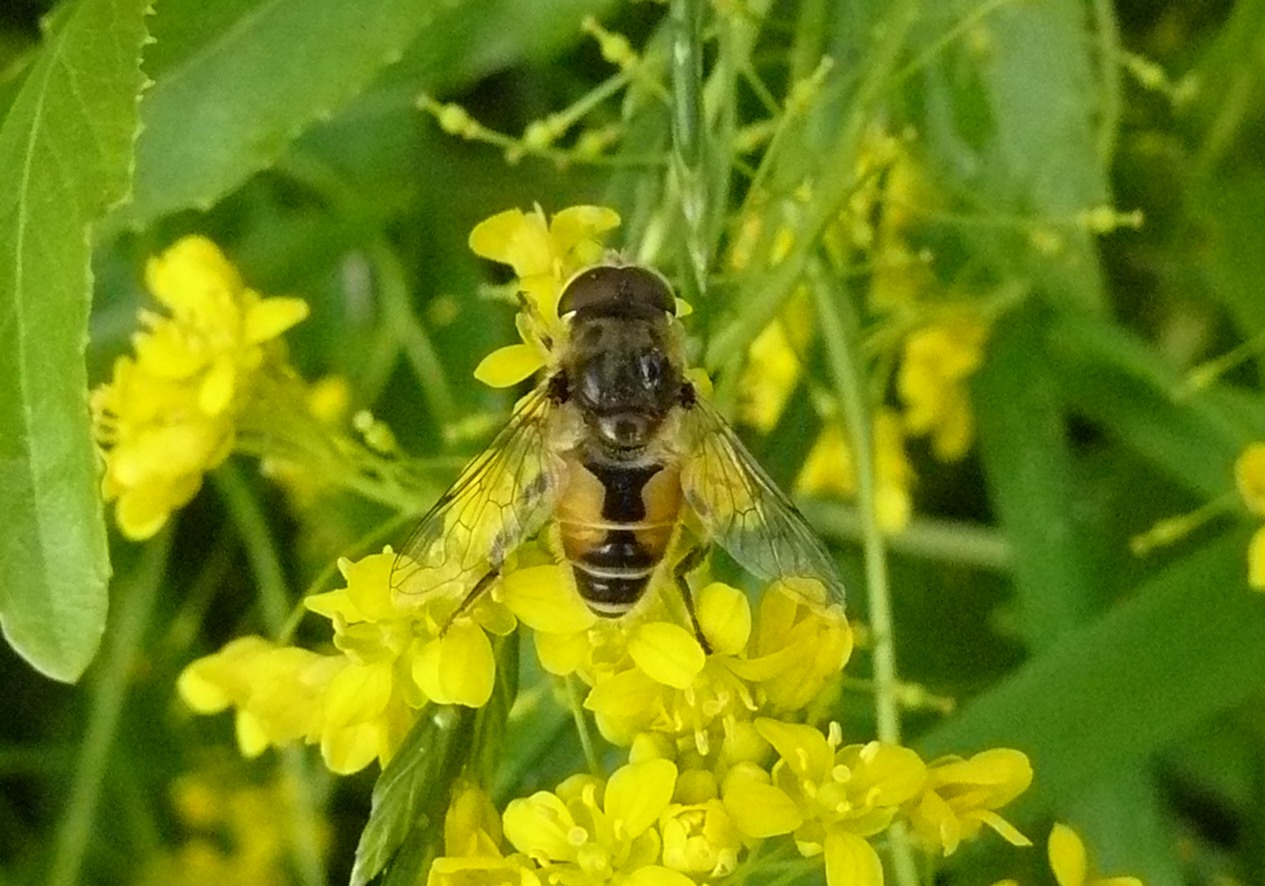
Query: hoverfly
(613,452)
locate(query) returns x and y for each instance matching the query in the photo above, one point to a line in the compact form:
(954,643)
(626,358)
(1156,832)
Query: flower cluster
(710,702)
(168,413)
(358,703)
(1249,476)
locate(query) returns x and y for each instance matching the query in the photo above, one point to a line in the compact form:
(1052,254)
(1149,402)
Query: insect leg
(468,600)
(687,564)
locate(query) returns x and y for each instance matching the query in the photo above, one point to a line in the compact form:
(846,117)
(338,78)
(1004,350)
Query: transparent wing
(743,511)
(501,498)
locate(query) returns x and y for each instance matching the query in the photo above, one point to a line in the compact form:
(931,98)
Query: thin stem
(950,541)
(274,597)
(582,727)
(689,146)
(841,332)
(404,325)
(135,595)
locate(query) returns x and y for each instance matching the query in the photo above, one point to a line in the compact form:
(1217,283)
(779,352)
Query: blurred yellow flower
(1249,477)
(774,364)
(168,414)
(544,255)
(238,833)
(473,844)
(961,796)
(830,468)
(935,364)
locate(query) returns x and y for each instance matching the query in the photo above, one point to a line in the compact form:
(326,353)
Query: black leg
(475,592)
(683,568)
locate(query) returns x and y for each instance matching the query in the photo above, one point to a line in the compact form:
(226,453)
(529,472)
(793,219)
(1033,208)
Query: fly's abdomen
(616,522)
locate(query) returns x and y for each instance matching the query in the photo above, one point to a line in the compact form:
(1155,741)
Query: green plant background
(288,130)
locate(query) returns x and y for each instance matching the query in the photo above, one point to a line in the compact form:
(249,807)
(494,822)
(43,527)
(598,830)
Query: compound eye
(653,368)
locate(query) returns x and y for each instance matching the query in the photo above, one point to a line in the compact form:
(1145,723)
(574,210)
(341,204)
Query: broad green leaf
(1189,643)
(235,86)
(1023,441)
(237,83)
(411,796)
(66,148)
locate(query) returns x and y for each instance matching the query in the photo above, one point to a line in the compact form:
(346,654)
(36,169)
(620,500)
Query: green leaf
(1023,441)
(233,88)
(237,83)
(1189,642)
(411,796)
(66,145)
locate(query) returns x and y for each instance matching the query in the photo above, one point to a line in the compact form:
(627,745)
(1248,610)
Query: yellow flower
(961,796)
(830,798)
(1070,863)
(699,839)
(932,382)
(590,832)
(830,468)
(544,255)
(168,414)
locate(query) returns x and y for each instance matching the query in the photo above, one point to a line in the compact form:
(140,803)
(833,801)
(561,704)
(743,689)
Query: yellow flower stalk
(168,414)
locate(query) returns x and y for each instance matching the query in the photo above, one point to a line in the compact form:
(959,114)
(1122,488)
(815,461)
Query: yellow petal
(1008,832)
(252,738)
(349,749)
(467,667)
(1255,560)
(667,653)
(637,793)
(757,808)
(269,317)
(357,693)
(1067,856)
(1249,476)
(724,614)
(803,748)
(508,365)
(574,224)
(217,387)
(545,599)
(515,238)
(561,654)
(851,861)
(191,273)
(657,875)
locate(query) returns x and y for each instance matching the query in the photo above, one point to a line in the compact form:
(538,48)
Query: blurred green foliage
(291,133)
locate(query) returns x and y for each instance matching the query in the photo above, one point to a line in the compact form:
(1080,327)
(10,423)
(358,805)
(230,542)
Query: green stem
(404,326)
(689,148)
(841,331)
(582,727)
(949,541)
(274,597)
(135,595)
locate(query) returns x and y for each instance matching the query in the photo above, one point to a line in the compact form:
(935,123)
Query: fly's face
(622,367)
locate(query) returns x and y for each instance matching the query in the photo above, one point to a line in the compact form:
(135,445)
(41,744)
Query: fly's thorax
(623,375)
